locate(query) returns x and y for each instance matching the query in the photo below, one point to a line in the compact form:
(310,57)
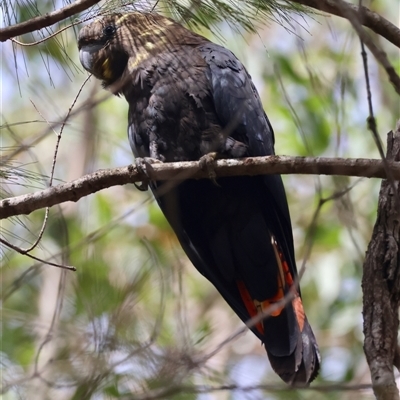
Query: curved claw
(207,162)
(142,186)
(143,166)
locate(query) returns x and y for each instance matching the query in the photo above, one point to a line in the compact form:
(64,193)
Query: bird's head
(102,50)
(118,43)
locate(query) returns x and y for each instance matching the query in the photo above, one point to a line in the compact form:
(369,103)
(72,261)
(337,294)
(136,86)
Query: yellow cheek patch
(106,69)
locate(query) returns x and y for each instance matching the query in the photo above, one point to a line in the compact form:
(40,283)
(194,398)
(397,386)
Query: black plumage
(188,97)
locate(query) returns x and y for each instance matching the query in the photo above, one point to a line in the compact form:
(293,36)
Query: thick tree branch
(43,21)
(370,19)
(381,285)
(88,184)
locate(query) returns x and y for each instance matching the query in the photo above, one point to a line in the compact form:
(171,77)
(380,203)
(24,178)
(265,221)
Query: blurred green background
(136,318)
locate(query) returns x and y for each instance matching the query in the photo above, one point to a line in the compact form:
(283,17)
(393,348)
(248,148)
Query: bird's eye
(109,30)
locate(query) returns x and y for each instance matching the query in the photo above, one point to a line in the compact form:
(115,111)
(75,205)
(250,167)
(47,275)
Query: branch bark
(43,21)
(102,179)
(372,20)
(381,285)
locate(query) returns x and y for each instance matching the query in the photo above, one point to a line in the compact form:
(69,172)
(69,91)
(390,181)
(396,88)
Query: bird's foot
(207,163)
(143,166)
(234,149)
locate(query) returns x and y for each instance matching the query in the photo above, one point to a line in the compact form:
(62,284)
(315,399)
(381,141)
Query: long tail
(287,336)
(302,365)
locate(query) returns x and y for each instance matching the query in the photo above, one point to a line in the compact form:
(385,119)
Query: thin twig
(168,392)
(355,20)
(371,19)
(30,44)
(18,250)
(372,126)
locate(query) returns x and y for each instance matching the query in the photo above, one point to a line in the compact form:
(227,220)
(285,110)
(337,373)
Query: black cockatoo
(189,97)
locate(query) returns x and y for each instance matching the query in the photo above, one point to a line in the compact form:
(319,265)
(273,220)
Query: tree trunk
(381,284)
